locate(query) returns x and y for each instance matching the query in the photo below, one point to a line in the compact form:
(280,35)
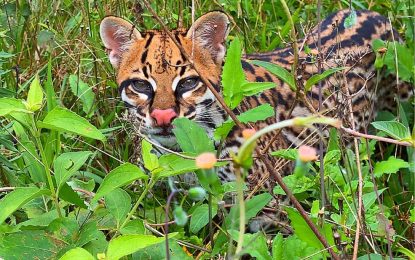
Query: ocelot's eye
(188,84)
(142,86)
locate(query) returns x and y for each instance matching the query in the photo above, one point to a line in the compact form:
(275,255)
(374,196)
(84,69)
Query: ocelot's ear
(210,31)
(117,35)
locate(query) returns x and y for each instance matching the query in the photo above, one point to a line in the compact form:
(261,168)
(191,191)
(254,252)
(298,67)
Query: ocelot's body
(158,84)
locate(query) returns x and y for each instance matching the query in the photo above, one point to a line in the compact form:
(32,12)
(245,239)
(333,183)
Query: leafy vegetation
(69,188)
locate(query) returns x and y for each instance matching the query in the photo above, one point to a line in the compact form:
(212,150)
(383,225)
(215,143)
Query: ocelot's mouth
(164,131)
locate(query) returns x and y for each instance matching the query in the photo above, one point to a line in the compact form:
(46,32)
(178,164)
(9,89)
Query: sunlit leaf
(62,119)
(120,176)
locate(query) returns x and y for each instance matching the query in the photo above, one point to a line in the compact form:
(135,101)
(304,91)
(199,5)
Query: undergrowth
(70,189)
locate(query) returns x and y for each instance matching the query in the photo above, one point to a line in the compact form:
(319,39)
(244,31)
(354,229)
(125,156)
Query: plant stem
(241,202)
(142,196)
(36,133)
(166,223)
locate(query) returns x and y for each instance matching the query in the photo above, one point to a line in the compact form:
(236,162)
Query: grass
(58,42)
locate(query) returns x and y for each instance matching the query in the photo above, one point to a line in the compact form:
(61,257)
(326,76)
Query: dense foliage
(70,189)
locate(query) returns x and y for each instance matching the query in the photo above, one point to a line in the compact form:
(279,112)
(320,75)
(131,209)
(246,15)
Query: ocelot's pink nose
(163,117)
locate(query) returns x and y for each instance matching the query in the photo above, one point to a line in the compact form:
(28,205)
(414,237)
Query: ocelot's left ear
(210,32)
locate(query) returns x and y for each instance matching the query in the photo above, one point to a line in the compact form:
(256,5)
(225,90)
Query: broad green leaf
(394,129)
(304,232)
(350,20)
(191,137)
(77,253)
(158,251)
(277,247)
(253,88)
(150,159)
(233,76)
(67,164)
(371,256)
(9,105)
(133,227)
(83,92)
(180,216)
(254,244)
(62,119)
(120,176)
(118,203)
(289,154)
(297,184)
(35,95)
(405,57)
(30,244)
(173,164)
(42,220)
(253,115)
(278,71)
(295,248)
(128,244)
(64,228)
(200,217)
(392,165)
(368,200)
(319,77)
(68,194)
(18,198)
(252,207)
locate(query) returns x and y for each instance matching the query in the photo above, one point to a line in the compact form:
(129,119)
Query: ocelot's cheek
(188,111)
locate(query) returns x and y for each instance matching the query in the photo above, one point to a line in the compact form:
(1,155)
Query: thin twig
(375,137)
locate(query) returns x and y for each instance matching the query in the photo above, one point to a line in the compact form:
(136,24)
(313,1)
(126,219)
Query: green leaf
(118,203)
(68,194)
(200,217)
(252,207)
(277,247)
(151,161)
(405,63)
(173,164)
(128,244)
(67,164)
(77,253)
(289,154)
(18,198)
(297,184)
(191,137)
(350,20)
(253,115)
(120,176)
(254,244)
(319,77)
(278,71)
(83,92)
(133,227)
(180,216)
(392,165)
(304,232)
(35,95)
(394,129)
(233,76)
(30,244)
(253,88)
(9,105)
(62,119)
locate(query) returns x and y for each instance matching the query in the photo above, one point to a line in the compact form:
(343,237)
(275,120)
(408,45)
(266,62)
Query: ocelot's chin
(167,141)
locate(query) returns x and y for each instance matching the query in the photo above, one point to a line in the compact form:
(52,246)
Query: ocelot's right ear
(117,35)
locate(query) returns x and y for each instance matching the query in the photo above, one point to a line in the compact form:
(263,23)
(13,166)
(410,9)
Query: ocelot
(158,85)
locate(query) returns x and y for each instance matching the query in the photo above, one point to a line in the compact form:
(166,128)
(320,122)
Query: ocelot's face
(156,81)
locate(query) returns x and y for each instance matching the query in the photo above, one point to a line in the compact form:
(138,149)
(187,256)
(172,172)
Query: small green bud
(180,216)
(197,193)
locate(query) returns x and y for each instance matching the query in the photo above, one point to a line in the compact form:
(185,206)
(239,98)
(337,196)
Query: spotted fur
(153,75)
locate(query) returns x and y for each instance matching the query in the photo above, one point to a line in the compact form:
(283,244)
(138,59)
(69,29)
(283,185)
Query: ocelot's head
(156,81)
